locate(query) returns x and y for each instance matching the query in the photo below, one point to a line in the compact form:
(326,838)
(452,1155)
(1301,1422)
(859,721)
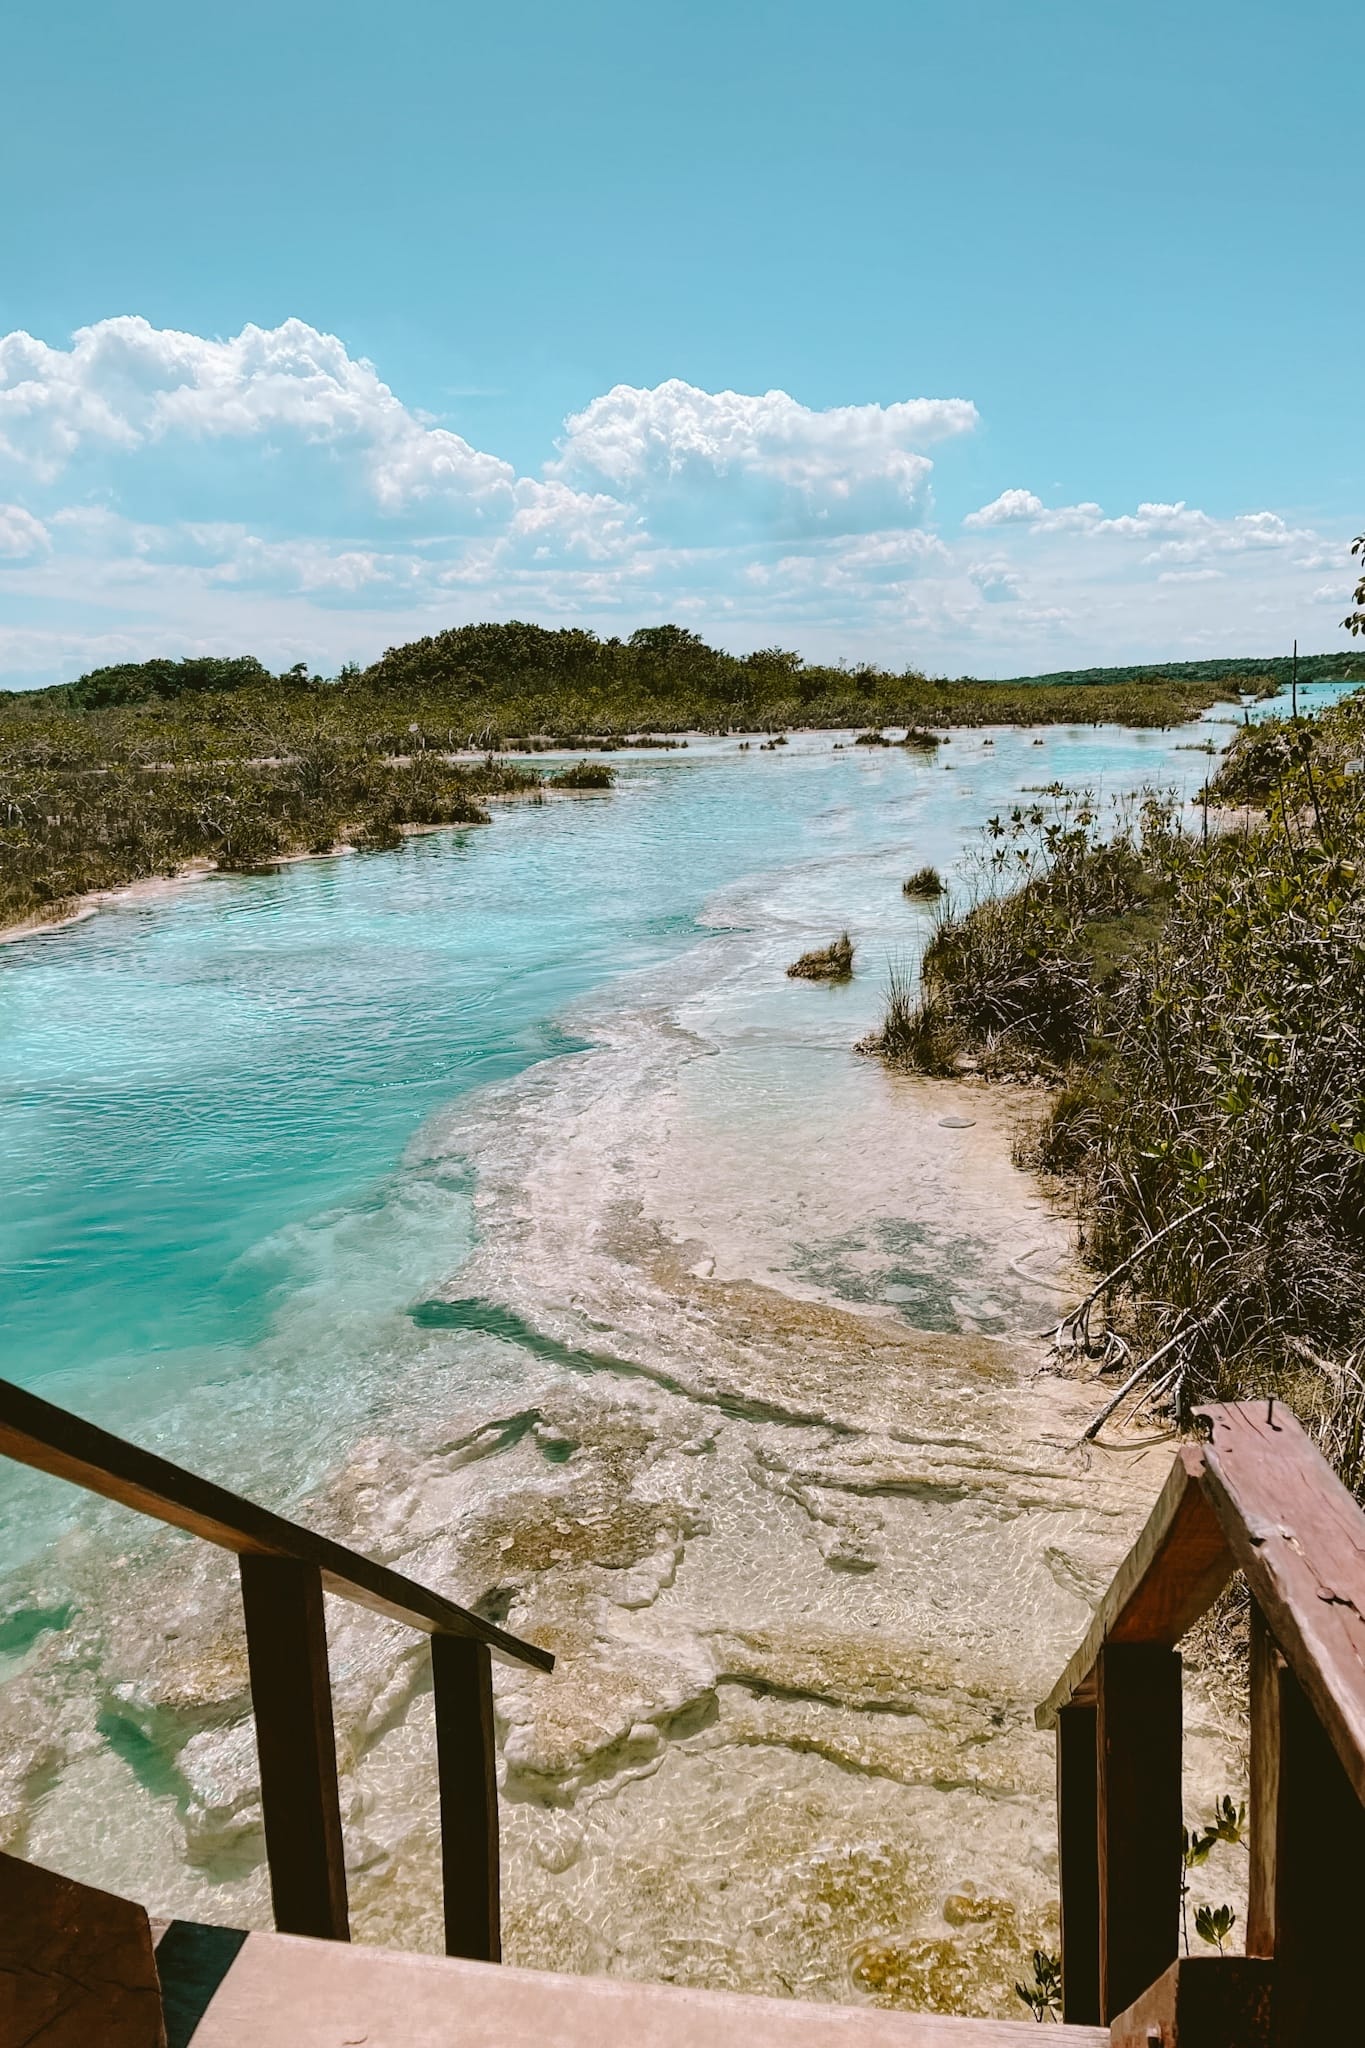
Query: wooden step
(286,1991)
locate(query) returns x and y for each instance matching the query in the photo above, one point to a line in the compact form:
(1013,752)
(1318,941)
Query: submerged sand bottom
(734,1407)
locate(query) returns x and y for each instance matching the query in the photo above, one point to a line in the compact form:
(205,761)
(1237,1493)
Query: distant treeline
(134,770)
(1278,669)
(500,682)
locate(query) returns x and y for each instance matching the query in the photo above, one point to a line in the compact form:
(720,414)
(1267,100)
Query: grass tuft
(924,886)
(826,963)
(584,775)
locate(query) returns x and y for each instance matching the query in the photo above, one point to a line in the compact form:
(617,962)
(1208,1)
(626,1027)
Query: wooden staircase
(83,1969)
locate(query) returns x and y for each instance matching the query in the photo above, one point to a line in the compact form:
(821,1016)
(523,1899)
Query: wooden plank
(1319,1901)
(1202,2002)
(466,1758)
(291,1694)
(1299,1539)
(36,1433)
(1139,1747)
(1176,1569)
(1078,1860)
(76,1965)
(1263,1805)
(282,1993)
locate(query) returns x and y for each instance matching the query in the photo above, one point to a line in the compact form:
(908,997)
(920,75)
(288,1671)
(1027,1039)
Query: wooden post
(1078,1857)
(286,1639)
(1138,1821)
(1266,1668)
(1319,1882)
(466,1762)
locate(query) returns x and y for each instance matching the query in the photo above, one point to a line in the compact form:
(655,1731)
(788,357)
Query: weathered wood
(76,1964)
(466,1759)
(305,1994)
(286,1638)
(1078,1861)
(36,1433)
(1263,1805)
(1299,1539)
(1138,1828)
(1202,2002)
(1319,1896)
(1174,1571)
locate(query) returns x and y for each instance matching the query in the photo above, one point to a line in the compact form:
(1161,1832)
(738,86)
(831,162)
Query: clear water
(187,1083)
(550,1076)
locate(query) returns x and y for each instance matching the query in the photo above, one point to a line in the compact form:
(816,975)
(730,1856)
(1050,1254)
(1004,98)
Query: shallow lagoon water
(500,1204)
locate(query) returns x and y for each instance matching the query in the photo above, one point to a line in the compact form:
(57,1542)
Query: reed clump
(584,775)
(924,886)
(825,963)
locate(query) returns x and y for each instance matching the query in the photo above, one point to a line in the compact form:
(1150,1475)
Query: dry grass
(826,963)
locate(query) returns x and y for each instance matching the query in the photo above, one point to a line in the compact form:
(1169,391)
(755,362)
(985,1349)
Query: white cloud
(1007,510)
(176,492)
(843,469)
(124,384)
(996,581)
(21,535)
(1025,508)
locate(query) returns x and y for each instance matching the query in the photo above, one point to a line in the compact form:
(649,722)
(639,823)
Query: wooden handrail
(285,1569)
(34,1432)
(1298,1538)
(1253,1496)
(1173,1573)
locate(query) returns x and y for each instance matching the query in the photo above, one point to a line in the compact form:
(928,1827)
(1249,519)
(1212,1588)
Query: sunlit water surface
(501,1205)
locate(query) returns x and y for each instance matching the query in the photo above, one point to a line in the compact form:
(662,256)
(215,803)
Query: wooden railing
(1254,1496)
(285,1570)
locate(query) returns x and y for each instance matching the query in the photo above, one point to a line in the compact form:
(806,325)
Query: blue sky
(986,336)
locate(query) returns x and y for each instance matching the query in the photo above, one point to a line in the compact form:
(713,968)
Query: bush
(924,886)
(584,775)
(827,963)
(918,1033)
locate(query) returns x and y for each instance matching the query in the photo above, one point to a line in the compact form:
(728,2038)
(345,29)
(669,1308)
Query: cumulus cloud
(1007,510)
(1179,532)
(21,535)
(996,581)
(124,384)
(842,469)
(1026,508)
(270,490)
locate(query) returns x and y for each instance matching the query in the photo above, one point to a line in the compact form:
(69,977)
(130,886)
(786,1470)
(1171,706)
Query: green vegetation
(1247,675)
(1212,1924)
(485,686)
(924,886)
(1043,1996)
(136,769)
(1200,1002)
(1354,622)
(826,963)
(584,775)
(96,800)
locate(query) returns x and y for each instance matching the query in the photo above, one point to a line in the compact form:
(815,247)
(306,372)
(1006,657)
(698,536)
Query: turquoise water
(210,1099)
(501,1206)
